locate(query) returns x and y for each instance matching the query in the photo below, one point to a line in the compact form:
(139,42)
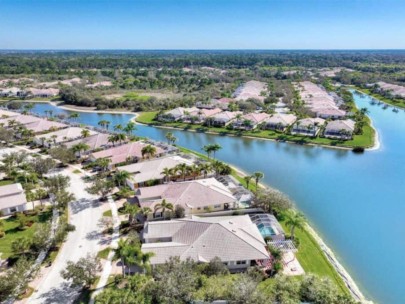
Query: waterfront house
(234,239)
(280,121)
(200,115)
(250,121)
(12,92)
(126,153)
(197,196)
(222,119)
(12,199)
(16,120)
(176,114)
(60,136)
(95,142)
(42,93)
(150,172)
(308,126)
(328,112)
(44,125)
(224,102)
(340,129)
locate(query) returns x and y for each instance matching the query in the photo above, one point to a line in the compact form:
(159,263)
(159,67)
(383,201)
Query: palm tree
(123,252)
(208,149)
(118,128)
(29,107)
(258,176)
(112,138)
(145,211)
(182,169)
(130,128)
(121,176)
(195,171)
(163,206)
(169,136)
(103,163)
(74,116)
(205,168)
(85,133)
(120,137)
(215,148)
(294,220)
(247,179)
(148,151)
(132,210)
(104,124)
(80,147)
(167,172)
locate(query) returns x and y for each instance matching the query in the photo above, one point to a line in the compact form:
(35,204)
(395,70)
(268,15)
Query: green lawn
(5,182)
(365,140)
(313,260)
(107,213)
(13,232)
(103,254)
(400,103)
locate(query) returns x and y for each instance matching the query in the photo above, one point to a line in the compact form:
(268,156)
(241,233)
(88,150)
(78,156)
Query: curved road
(85,214)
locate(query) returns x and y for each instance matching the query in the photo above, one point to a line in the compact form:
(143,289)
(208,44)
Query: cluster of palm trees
(257,176)
(211,149)
(148,151)
(171,139)
(117,137)
(129,128)
(183,171)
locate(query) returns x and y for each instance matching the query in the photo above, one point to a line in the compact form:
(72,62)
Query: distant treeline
(46,62)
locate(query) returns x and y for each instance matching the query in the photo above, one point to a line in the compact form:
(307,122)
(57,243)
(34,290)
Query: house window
(240,262)
(206,208)
(217,206)
(199,208)
(13,209)
(158,215)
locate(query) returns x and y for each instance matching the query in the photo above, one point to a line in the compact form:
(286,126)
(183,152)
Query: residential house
(280,121)
(42,93)
(197,196)
(200,115)
(223,103)
(7,114)
(95,142)
(329,112)
(18,120)
(12,92)
(308,126)
(150,172)
(176,114)
(222,119)
(60,136)
(234,239)
(340,129)
(12,199)
(44,125)
(129,152)
(250,121)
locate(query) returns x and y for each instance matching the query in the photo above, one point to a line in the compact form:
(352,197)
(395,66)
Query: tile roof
(152,169)
(95,141)
(202,239)
(283,119)
(337,125)
(21,119)
(256,118)
(63,135)
(121,153)
(5,113)
(44,125)
(11,196)
(190,194)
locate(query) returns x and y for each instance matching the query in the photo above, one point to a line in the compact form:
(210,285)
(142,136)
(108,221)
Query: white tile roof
(202,239)
(149,170)
(11,196)
(283,119)
(63,135)
(337,125)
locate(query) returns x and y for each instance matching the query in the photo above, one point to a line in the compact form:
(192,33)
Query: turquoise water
(355,201)
(266,231)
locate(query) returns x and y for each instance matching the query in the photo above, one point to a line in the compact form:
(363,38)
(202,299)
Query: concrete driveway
(85,214)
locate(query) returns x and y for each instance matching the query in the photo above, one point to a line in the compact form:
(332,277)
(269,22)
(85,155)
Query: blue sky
(202,24)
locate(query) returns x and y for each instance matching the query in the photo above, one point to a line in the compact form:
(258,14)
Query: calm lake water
(355,201)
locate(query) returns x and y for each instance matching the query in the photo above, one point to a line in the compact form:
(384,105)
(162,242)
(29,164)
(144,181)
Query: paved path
(85,214)
(114,243)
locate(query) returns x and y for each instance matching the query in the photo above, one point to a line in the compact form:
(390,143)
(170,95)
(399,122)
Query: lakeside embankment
(369,139)
(397,103)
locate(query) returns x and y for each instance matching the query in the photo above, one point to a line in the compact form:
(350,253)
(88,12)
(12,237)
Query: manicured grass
(13,232)
(77,171)
(5,182)
(107,213)
(103,254)
(313,260)
(365,140)
(400,103)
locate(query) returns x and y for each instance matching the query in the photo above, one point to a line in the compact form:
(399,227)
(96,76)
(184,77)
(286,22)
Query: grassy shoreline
(395,103)
(366,140)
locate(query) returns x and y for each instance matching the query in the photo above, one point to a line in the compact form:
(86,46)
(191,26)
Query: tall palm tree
(123,252)
(132,211)
(215,148)
(112,139)
(167,172)
(205,168)
(148,151)
(257,176)
(294,220)
(104,124)
(182,169)
(130,128)
(85,133)
(145,211)
(74,116)
(118,128)
(120,137)
(121,176)
(103,163)
(80,147)
(207,149)
(169,137)
(29,107)
(247,179)
(163,206)
(195,171)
